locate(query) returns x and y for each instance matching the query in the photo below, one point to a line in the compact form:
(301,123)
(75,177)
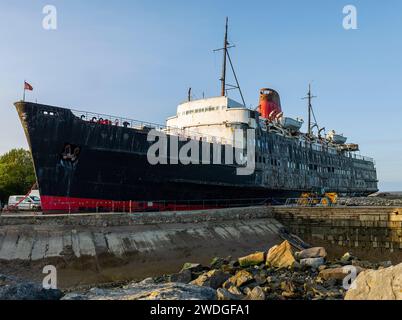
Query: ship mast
(310,97)
(226,56)
(225,52)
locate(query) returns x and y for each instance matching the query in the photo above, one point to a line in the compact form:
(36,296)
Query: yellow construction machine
(316,199)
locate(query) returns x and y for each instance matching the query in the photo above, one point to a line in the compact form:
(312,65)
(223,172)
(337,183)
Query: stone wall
(128,219)
(375,232)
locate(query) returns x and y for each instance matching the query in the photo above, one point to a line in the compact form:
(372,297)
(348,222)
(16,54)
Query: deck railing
(181,133)
(360,157)
(137,124)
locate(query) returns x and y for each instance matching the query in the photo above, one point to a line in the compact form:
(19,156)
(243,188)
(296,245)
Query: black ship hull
(85,165)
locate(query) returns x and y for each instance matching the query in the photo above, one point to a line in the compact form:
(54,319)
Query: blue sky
(137,59)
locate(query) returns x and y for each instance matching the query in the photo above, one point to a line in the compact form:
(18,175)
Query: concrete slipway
(110,247)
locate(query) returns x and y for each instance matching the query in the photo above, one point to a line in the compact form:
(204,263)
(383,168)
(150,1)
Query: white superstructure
(213,118)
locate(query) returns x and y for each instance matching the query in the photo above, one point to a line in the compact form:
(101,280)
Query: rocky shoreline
(281,273)
(378,201)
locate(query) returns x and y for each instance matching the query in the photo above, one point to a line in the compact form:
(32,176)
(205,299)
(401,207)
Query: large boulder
(384,284)
(252,259)
(281,256)
(316,252)
(213,279)
(141,291)
(241,278)
(314,263)
(338,273)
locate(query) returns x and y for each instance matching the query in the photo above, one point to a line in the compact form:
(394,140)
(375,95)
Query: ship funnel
(270,103)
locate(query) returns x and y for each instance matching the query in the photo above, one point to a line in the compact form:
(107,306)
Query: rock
(224,294)
(148,281)
(260,279)
(337,273)
(288,286)
(256,294)
(386,264)
(213,279)
(320,291)
(137,291)
(296,266)
(28,291)
(385,284)
(234,263)
(234,290)
(347,257)
(252,259)
(288,294)
(314,263)
(193,267)
(364,264)
(217,263)
(273,282)
(280,256)
(322,267)
(330,283)
(183,277)
(247,290)
(317,252)
(161,279)
(241,278)
(229,269)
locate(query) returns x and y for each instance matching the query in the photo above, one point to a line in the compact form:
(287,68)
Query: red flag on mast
(27,86)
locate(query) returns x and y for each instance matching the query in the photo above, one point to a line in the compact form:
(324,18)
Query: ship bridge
(215,117)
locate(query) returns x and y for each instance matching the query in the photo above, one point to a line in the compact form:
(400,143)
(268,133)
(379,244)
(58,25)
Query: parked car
(31,202)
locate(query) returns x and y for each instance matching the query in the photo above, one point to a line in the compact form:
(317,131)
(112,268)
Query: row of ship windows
(304,154)
(200,110)
(263,145)
(305,167)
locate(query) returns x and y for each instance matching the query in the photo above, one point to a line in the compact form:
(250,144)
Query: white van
(31,202)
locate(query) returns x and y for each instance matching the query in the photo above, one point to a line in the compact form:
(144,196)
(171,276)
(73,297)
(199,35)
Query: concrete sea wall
(110,247)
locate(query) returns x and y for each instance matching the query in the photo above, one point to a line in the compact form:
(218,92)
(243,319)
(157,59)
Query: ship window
(50,113)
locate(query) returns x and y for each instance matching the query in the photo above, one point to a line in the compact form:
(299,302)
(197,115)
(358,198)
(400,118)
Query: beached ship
(86,161)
